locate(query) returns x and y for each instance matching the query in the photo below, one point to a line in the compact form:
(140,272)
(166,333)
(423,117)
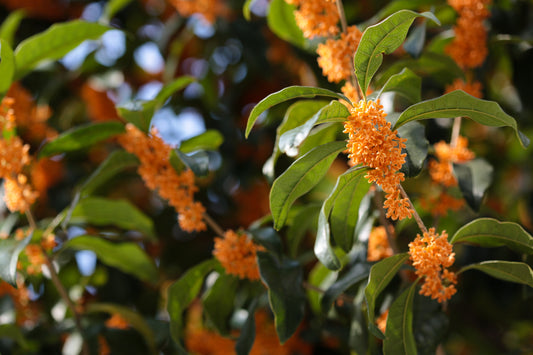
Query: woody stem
(455,131)
(213,225)
(415,214)
(386,223)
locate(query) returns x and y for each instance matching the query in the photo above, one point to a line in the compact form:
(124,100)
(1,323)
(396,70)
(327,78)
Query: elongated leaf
(304,220)
(505,270)
(299,178)
(139,113)
(198,161)
(9,256)
(459,104)
(416,148)
(133,318)
(246,9)
(219,302)
(489,232)
(127,257)
(356,274)
(380,276)
(395,6)
(120,213)
(280,19)
(113,7)
(170,88)
(285,292)
(54,43)
(406,83)
(81,137)
(114,163)
(7,66)
(384,37)
(320,135)
(209,140)
(474,179)
(247,336)
(292,92)
(10,25)
(182,292)
(399,334)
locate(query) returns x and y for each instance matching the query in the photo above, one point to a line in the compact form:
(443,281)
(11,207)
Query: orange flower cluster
(372,143)
(237,254)
(209,9)
(378,245)
(316,18)
(350,92)
(472,88)
(440,205)
(34,252)
(336,55)
(157,172)
(441,171)
(469,48)
(116,321)
(382,321)
(27,312)
(431,255)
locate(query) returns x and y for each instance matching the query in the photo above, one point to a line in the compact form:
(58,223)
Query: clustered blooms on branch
(431,255)
(441,171)
(378,245)
(209,9)
(158,174)
(237,254)
(316,18)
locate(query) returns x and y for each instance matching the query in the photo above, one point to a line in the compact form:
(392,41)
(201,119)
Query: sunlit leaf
(320,135)
(405,83)
(292,92)
(170,88)
(209,140)
(10,249)
(416,148)
(474,178)
(488,232)
(299,178)
(280,19)
(218,302)
(459,104)
(139,113)
(127,256)
(81,137)
(399,338)
(384,37)
(10,26)
(512,271)
(7,66)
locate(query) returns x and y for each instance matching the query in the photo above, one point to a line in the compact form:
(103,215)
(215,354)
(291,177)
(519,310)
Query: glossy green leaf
(7,66)
(54,43)
(384,37)
(303,221)
(321,278)
(489,232)
(285,292)
(299,178)
(512,271)
(474,178)
(113,7)
(320,135)
(81,137)
(139,113)
(415,41)
(10,26)
(405,83)
(170,88)
(459,104)
(357,273)
(381,274)
(134,319)
(268,238)
(246,9)
(10,249)
(127,256)
(399,338)
(114,164)
(247,335)
(290,93)
(209,140)
(395,6)
(416,148)
(218,302)
(197,161)
(280,19)
(108,212)
(182,292)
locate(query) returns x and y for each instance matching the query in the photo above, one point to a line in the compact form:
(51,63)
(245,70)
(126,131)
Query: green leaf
(459,104)
(304,220)
(120,213)
(133,318)
(416,148)
(399,334)
(170,88)
(139,113)
(292,92)
(356,274)
(10,25)
(299,178)
(280,19)
(182,292)
(114,164)
(218,302)
(81,137)
(209,140)
(395,6)
(9,255)
(415,42)
(505,270)
(383,37)
(320,135)
(380,276)
(474,178)
(405,83)
(14,332)
(321,277)
(7,66)
(54,43)
(127,257)
(488,232)
(112,8)
(247,336)
(285,292)
(246,9)
(268,238)
(198,161)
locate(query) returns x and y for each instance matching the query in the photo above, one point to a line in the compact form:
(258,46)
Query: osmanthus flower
(209,9)
(441,170)
(431,255)
(441,204)
(378,245)
(237,253)
(158,174)
(473,88)
(381,322)
(335,57)
(372,143)
(316,18)
(116,321)
(99,106)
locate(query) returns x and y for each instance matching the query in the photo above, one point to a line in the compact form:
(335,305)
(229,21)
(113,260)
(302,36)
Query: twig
(415,214)
(455,131)
(214,225)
